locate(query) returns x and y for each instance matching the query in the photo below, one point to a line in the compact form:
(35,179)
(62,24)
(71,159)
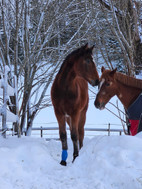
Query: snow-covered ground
(105,162)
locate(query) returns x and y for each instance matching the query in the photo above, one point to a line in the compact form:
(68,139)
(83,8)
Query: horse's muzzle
(94,82)
(99,105)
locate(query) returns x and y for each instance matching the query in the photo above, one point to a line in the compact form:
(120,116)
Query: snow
(139,76)
(5,91)
(7,69)
(105,162)
(10,117)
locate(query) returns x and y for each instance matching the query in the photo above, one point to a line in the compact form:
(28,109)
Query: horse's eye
(107,84)
(88,61)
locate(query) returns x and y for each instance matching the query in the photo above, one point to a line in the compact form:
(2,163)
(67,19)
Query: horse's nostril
(94,82)
(97,82)
(97,104)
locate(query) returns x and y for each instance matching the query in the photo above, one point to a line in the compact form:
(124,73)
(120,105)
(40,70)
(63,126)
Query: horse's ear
(102,69)
(85,46)
(91,48)
(113,72)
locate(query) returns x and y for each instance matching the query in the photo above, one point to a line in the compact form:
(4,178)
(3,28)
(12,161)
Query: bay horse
(69,94)
(129,92)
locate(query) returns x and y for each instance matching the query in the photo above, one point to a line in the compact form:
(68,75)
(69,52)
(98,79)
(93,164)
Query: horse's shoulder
(81,81)
(83,84)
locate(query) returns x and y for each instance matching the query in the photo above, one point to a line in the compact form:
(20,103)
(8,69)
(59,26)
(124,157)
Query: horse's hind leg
(63,137)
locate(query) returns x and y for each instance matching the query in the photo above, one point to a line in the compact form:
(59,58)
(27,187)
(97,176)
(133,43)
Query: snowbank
(105,162)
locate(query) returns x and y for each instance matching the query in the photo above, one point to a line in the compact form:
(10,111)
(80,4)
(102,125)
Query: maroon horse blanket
(135,116)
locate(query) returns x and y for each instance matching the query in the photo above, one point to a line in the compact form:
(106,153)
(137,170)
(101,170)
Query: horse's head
(107,88)
(85,66)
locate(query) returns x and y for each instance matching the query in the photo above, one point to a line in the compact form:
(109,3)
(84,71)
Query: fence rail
(48,135)
(108,130)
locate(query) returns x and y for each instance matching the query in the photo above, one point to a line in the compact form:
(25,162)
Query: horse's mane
(74,55)
(129,81)
(67,61)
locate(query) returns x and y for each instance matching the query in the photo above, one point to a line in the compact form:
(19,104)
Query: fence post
(41,133)
(109,129)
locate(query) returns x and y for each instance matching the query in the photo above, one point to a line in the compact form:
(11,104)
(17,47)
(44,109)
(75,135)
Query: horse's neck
(67,79)
(127,95)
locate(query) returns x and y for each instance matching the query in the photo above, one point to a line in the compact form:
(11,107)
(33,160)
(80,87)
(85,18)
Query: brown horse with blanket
(128,90)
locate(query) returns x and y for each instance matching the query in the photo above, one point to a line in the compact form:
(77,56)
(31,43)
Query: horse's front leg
(81,124)
(74,135)
(63,137)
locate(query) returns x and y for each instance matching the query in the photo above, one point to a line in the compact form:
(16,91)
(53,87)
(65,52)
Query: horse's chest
(72,99)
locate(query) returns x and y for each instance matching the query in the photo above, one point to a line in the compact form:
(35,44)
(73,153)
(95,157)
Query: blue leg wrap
(64,155)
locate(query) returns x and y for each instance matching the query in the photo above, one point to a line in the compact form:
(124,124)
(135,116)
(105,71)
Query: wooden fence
(53,132)
(88,130)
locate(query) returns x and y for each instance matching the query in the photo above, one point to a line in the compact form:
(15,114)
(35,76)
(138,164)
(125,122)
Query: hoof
(74,158)
(63,163)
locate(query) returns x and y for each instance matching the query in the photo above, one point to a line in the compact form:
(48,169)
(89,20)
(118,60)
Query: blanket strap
(140,124)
